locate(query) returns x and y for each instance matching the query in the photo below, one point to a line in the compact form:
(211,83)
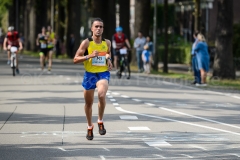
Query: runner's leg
(89,96)
(102,86)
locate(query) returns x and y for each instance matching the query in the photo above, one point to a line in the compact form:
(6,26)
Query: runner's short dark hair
(96,19)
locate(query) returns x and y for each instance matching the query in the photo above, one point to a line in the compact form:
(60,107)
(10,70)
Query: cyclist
(12,39)
(119,41)
(41,41)
(50,46)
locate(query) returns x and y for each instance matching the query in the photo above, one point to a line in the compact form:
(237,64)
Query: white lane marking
(61,149)
(128,117)
(76,81)
(68,79)
(157,143)
(107,93)
(113,100)
(138,100)
(173,120)
(159,156)
(149,104)
(110,96)
(199,147)
(124,96)
(209,120)
(234,154)
(106,149)
(102,158)
(236,97)
(186,155)
(115,93)
(158,148)
(139,128)
(115,104)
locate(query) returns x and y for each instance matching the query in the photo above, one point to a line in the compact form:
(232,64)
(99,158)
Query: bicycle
(123,64)
(13,59)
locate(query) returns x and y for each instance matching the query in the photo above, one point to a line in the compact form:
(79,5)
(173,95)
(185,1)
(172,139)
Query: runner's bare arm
(37,40)
(79,56)
(108,55)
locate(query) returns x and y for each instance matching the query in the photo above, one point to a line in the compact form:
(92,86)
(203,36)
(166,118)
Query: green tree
(223,62)
(142,14)
(165,60)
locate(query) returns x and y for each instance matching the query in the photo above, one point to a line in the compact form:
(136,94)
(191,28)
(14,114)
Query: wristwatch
(86,57)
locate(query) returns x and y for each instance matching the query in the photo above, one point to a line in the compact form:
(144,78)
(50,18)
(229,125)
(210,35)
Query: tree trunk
(142,14)
(197,17)
(60,25)
(125,16)
(74,22)
(165,61)
(32,25)
(223,62)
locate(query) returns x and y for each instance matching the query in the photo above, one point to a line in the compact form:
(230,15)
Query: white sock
(100,120)
(90,127)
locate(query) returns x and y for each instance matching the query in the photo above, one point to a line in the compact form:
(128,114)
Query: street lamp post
(155,36)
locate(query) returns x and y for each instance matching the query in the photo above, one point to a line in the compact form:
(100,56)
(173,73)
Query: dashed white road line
(149,104)
(186,155)
(173,120)
(158,148)
(115,104)
(124,96)
(113,100)
(106,149)
(209,120)
(202,148)
(102,157)
(138,100)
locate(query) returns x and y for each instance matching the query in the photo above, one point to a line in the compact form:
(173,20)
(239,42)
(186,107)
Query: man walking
(95,54)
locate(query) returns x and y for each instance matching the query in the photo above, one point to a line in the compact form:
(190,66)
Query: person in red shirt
(119,40)
(12,39)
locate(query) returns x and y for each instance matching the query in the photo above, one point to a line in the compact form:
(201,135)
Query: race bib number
(43,45)
(99,60)
(123,51)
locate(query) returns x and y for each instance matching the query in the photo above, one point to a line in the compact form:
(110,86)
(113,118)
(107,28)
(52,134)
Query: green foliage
(177,54)
(4,5)
(236,40)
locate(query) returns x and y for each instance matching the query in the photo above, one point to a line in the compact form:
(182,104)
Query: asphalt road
(147,117)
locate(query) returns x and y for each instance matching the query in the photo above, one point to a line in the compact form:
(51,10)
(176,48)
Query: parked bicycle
(124,67)
(13,59)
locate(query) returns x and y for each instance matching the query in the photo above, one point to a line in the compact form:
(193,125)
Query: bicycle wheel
(126,68)
(13,66)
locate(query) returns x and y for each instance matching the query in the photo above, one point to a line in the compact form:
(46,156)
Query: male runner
(95,54)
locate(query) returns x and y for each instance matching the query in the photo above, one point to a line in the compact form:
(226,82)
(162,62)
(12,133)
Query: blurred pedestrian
(22,39)
(1,41)
(139,42)
(50,45)
(196,71)
(71,44)
(146,58)
(202,54)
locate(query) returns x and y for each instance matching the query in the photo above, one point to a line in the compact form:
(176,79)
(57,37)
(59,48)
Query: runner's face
(97,28)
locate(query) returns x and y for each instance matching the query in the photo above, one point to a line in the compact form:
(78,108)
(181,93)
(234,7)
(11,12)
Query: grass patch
(212,83)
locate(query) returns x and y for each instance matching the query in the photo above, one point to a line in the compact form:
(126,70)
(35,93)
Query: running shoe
(89,135)
(102,130)
(49,68)
(8,62)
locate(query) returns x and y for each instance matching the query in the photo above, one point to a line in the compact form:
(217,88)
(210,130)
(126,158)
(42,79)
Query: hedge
(176,54)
